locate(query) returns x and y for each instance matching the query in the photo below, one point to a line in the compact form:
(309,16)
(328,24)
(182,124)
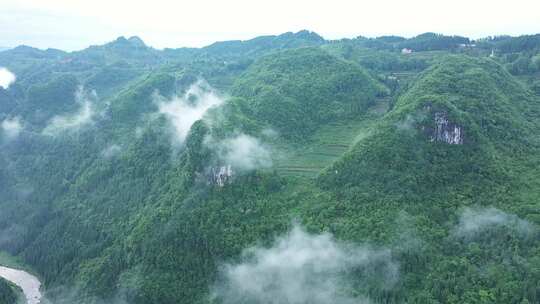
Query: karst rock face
(445,130)
(221,175)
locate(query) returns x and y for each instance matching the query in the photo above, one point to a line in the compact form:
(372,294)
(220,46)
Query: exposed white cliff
(446,131)
(221,175)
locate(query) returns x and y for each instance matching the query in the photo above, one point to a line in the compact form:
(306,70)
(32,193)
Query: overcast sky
(76,24)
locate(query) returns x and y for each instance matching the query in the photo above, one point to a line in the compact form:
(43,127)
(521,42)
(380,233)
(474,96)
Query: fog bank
(301,268)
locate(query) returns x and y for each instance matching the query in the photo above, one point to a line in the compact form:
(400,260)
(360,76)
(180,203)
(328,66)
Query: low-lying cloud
(74,121)
(243,152)
(302,268)
(410,122)
(183,111)
(406,124)
(6,78)
(11,127)
(111,151)
(473,221)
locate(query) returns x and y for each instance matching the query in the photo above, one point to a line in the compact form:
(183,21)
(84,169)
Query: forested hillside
(282,169)
(7,293)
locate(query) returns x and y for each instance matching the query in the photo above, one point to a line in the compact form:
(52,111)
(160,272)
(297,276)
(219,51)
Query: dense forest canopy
(7,292)
(282,169)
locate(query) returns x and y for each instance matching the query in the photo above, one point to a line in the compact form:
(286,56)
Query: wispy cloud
(6,78)
(11,127)
(411,121)
(182,112)
(242,152)
(303,268)
(111,151)
(475,220)
(74,121)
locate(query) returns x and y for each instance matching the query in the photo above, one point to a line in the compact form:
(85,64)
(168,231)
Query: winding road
(27,282)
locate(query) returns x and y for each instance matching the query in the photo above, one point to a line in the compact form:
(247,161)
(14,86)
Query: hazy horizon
(75,25)
(249,38)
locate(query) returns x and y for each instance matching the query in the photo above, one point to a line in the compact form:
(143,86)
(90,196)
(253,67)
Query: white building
(406,51)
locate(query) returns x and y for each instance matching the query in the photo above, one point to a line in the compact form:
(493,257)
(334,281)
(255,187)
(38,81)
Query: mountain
(433,41)
(264,44)
(422,42)
(121,49)
(282,169)
(297,91)
(459,102)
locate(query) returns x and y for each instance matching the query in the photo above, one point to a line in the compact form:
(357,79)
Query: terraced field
(326,145)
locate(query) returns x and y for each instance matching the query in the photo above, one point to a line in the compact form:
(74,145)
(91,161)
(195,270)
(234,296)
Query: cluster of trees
(523,64)
(7,294)
(422,42)
(433,42)
(508,44)
(378,60)
(521,55)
